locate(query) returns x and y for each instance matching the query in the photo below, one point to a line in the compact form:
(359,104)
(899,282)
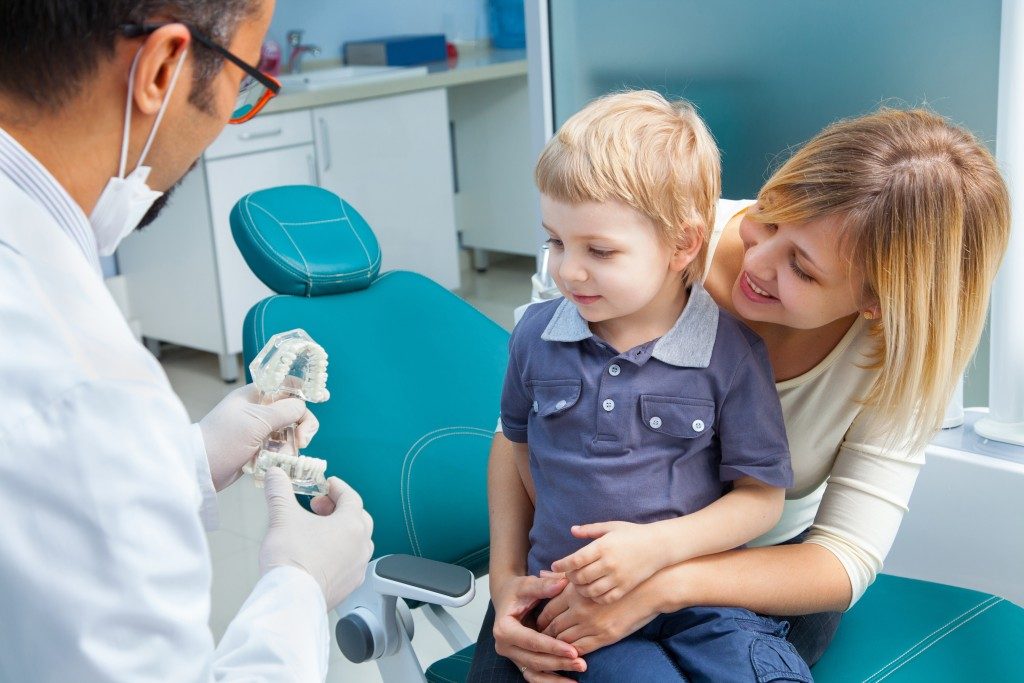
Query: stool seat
(901,631)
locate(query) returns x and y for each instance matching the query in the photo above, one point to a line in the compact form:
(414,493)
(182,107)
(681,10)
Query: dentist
(105,485)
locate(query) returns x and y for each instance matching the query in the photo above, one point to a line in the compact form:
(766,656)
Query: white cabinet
(391,158)
(496,201)
(187,281)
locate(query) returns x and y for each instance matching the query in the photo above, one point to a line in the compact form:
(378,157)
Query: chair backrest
(414,372)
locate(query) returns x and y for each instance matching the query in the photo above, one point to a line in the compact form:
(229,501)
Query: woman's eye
(601,253)
(553,243)
(798,272)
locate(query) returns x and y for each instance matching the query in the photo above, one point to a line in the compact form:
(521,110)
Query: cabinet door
(229,179)
(390,157)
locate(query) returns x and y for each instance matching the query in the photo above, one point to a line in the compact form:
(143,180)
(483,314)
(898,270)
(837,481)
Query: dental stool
(415,378)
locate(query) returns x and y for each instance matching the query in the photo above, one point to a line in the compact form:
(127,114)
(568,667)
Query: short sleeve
(865,499)
(515,400)
(750,425)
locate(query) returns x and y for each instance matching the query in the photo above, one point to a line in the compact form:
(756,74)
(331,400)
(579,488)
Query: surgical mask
(125,200)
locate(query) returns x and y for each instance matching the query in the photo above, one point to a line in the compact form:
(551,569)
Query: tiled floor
(235,545)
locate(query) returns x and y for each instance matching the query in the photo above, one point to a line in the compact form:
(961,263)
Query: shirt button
(536,407)
(608,405)
(698,425)
(655,422)
(559,405)
(614,370)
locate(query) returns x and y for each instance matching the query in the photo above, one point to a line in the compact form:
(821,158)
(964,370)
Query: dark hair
(49,48)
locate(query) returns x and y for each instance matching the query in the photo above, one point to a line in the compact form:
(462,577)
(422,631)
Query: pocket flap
(551,397)
(686,418)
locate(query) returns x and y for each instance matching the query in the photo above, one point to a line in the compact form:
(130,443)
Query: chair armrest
(373,625)
(418,578)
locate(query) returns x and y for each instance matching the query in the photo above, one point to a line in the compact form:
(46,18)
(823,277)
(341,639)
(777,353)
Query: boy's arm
(624,554)
(510,509)
(513,593)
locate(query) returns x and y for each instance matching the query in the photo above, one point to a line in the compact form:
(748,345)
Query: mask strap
(159,115)
(163,106)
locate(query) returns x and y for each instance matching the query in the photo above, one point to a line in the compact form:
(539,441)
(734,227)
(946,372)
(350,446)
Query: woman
(865,265)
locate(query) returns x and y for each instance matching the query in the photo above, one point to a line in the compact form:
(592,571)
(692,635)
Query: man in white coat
(104,483)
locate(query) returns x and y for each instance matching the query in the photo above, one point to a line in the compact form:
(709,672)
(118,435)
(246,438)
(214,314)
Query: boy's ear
(686,251)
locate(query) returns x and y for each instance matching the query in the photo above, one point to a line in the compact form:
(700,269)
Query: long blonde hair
(926,215)
(655,156)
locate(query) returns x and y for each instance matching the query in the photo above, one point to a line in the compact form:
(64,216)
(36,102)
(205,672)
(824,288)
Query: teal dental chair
(415,378)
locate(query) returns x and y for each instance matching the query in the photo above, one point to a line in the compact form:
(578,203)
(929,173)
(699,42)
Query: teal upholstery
(902,631)
(305,241)
(414,372)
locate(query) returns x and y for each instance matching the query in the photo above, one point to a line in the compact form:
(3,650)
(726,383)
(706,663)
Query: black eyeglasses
(256,88)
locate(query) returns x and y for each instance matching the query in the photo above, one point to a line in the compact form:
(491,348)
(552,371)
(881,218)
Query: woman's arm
(780,580)
(624,555)
(513,592)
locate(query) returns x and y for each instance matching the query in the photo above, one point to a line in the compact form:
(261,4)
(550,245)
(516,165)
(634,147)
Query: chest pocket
(686,418)
(554,396)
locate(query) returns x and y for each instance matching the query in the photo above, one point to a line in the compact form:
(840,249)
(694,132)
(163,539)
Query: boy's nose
(570,270)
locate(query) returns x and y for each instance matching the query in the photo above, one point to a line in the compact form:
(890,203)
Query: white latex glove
(237,426)
(333,545)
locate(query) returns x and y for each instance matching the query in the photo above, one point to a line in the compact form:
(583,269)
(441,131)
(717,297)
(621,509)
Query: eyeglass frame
(267,81)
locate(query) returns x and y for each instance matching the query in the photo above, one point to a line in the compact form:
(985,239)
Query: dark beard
(161,202)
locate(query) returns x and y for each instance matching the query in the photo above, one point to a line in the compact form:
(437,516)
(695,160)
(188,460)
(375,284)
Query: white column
(1006,360)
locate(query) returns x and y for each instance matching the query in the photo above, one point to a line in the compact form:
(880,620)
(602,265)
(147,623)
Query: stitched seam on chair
(407,479)
(267,249)
(473,555)
(305,264)
(260,243)
(408,462)
(963,618)
(355,234)
(326,220)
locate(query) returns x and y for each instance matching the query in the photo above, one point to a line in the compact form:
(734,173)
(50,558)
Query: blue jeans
(701,645)
(640,658)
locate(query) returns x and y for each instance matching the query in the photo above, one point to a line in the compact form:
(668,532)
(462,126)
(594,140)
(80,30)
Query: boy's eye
(798,272)
(601,253)
(556,244)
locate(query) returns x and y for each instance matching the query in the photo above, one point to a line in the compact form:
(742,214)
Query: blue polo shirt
(653,433)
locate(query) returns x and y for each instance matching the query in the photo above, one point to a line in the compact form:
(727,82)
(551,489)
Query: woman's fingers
(555,606)
(544,677)
(511,634)
(536,662)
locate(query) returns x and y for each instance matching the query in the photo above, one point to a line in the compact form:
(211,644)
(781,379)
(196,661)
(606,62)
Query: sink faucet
(297,50)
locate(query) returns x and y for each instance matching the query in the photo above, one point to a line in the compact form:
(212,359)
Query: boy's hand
(623,556)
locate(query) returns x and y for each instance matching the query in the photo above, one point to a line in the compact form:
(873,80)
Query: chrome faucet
(296,50)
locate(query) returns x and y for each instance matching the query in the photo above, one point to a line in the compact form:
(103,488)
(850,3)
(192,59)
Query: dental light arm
(290,365)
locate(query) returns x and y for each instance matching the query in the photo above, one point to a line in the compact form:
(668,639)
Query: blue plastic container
(508,24)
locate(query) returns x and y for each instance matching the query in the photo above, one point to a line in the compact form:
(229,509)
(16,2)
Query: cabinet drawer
(263,132)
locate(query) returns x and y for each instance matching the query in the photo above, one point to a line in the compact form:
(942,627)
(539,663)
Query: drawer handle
(256,135)
(325,137)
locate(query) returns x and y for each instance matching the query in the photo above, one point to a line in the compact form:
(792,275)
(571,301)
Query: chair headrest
(305,241)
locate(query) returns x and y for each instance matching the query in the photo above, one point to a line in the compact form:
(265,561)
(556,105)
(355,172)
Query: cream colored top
(847,488)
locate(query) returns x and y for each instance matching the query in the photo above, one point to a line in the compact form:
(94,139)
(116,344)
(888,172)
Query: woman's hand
(519,641)
(589,626)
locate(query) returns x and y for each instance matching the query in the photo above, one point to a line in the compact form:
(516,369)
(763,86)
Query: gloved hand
(237,426)
(333,545)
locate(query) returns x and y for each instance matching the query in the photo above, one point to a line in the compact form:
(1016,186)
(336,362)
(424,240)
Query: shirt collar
(687,345)
(32,178)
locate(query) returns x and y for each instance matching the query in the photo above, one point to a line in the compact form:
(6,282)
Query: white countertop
(472,67)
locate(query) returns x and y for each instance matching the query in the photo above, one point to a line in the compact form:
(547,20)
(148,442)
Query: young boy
(654,428)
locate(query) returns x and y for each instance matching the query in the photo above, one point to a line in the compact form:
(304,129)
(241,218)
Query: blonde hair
(655,156)
(926,216)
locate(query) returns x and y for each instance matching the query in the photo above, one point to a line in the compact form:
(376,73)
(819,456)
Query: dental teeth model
(291,364)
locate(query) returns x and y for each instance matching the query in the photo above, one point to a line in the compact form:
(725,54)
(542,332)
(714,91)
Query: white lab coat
(104,565)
